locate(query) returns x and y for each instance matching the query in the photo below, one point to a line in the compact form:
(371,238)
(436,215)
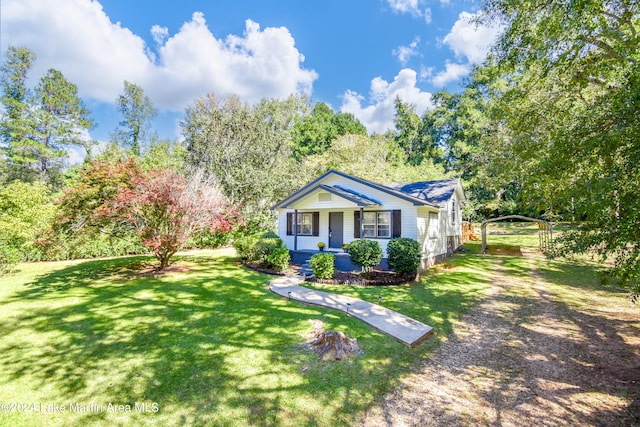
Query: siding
(311,203)
(415,219)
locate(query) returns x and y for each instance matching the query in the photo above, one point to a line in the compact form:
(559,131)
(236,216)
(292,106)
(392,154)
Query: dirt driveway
(527,356)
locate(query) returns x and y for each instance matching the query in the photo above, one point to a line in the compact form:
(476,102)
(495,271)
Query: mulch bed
(350,278)
(376,278)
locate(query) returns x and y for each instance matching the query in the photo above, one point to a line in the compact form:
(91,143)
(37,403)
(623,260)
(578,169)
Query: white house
(337,208)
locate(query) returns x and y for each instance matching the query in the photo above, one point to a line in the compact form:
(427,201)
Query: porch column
(362,223)
(295,229)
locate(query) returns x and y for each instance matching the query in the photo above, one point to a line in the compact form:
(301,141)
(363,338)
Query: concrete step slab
(405,329)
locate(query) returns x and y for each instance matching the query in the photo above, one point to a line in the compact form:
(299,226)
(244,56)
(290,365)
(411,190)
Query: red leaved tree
(166,209)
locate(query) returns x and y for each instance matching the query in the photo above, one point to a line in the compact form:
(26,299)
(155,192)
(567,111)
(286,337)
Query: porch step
(306,270)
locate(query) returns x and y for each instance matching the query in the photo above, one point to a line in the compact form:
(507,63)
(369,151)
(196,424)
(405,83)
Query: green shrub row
(403,255)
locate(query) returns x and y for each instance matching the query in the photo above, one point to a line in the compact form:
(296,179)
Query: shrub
(9,257)
(404,255)
(259,247)
(279,259)
(207,239)
(323,265)
(365,253)
(266,246)
(270,235)
(246,246)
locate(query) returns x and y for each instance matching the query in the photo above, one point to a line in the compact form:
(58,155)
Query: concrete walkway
(406,330)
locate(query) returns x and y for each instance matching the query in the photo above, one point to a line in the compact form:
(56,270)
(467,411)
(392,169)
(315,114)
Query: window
(305,224)
(433,225)
(377,224)
(453,211)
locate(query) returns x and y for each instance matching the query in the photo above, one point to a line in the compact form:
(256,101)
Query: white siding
(415,219)
(430,232)
(311,203)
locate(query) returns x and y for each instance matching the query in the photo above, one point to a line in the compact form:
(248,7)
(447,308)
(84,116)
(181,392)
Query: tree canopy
(38,125)
(568,123)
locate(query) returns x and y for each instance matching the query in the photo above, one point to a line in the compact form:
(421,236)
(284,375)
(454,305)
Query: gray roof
(357,198)
(436,192)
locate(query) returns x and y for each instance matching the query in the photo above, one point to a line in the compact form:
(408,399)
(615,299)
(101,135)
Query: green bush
(404,255)
(245,247)
(257,248)
(270,235)
(265,247)
(323,265)
(9,257)
(279,259)
(26,210)
(207,239)
(365,253)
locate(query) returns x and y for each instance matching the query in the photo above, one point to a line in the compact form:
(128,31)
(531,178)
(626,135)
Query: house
(338,208)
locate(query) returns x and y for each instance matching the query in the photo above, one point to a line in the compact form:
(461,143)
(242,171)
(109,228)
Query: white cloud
(404,53)
(261,63)
(426,73)
(470,40)
(77,38)
(378,115)
(159,34)
(452,72)
(427,15)
(406,6)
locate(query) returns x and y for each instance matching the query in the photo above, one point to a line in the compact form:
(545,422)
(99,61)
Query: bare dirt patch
(526,357)
(154,270)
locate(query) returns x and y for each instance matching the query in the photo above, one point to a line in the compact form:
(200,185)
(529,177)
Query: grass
(210,345)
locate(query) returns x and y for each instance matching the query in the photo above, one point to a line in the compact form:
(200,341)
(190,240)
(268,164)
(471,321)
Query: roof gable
(406,192)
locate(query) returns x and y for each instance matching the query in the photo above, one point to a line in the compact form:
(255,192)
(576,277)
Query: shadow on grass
(211,346)
(106,333)
(579,353)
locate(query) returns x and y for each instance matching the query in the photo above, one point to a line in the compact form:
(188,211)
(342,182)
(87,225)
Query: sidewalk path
(406,330)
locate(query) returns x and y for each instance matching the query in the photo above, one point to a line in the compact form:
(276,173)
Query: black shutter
(356,224)
(396,223)
(289,223)
(315,223)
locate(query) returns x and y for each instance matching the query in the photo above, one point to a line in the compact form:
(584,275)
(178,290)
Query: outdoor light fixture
(289,294)
(348,305)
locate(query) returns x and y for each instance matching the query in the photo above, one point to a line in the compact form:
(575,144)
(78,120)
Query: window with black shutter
(378,224)
(308,224)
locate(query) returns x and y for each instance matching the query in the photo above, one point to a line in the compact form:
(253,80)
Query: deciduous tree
(248,149)
(570,118)
(166,210)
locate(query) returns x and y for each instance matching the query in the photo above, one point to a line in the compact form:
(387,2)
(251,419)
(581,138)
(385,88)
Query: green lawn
(211,345)
(207,346)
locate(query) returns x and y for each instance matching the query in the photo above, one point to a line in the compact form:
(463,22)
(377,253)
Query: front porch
(342,260)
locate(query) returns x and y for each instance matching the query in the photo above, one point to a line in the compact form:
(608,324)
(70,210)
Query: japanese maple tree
(165,209)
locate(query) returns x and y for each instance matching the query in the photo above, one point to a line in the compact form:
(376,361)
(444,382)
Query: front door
(335,230)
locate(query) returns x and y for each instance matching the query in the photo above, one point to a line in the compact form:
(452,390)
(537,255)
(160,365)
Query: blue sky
(355,55)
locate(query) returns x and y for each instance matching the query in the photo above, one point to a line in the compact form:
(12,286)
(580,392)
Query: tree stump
(332,342)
